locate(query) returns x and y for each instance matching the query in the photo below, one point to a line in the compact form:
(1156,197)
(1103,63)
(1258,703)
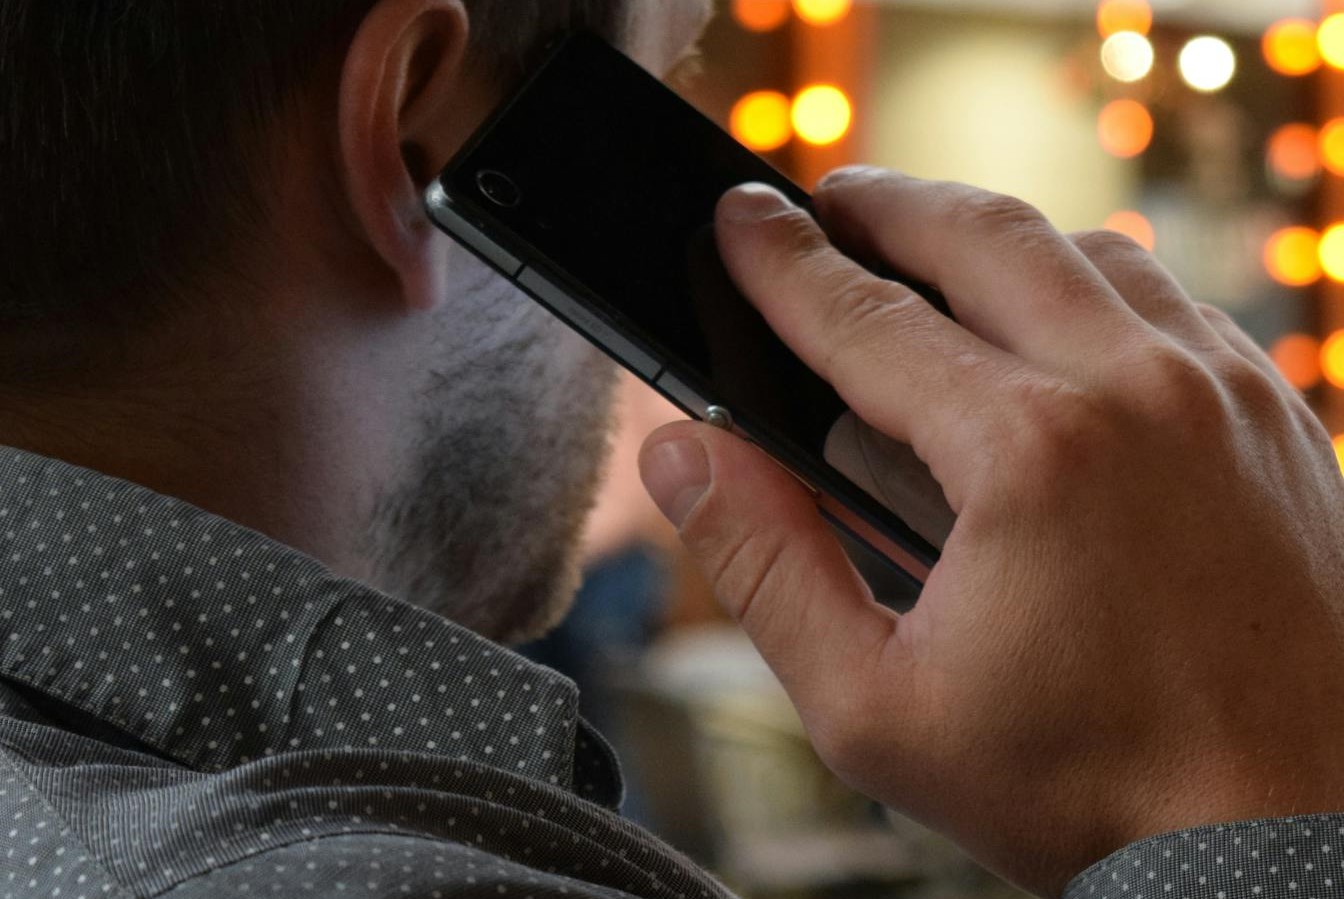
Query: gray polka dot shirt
(190,709)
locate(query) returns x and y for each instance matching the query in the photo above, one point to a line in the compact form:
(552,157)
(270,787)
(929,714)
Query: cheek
(653,27)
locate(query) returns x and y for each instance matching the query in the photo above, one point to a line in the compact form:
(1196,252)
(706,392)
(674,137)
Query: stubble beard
(485,528)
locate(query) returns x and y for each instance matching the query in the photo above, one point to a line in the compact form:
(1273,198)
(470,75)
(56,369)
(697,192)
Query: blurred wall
(948,87)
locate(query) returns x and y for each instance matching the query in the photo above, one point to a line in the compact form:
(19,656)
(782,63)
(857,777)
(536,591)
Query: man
(258,409)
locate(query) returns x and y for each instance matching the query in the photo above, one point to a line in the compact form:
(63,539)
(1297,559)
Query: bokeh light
(1332,359)
(1339,450)
(1292,257)
(1332,146)
(822,12)
(1115,16)
(1298,359)
(1290,47)
(1330,40)
(761,120)
(1293,152)
(822,114)
(1127,56)
(1332,252)
(1135,226)
(1208,64)
(761,15)
(1125,128)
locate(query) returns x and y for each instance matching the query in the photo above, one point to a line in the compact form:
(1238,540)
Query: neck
(265,444)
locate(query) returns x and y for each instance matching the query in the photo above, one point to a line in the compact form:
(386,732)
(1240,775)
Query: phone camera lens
(499,188)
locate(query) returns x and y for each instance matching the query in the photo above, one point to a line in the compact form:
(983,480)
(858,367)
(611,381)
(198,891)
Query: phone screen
(604,174)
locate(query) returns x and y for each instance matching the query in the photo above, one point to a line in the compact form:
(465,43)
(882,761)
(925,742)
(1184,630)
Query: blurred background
(1210,131)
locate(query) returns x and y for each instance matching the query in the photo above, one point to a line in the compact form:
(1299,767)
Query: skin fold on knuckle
(858,310)
(992,216)
(1110,248)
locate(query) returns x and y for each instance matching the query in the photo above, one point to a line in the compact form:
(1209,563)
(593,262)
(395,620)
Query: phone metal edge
(443,211)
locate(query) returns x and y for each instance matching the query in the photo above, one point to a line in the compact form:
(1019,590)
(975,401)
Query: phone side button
(440,207)
(585,321)
(673,387)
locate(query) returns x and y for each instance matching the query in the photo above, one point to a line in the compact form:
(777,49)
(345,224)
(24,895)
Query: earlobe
(406,102)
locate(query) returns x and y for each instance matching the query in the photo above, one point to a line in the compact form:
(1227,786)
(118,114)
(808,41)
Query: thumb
(772,560)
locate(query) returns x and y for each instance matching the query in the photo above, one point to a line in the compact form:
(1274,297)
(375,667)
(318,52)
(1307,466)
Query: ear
(407,102)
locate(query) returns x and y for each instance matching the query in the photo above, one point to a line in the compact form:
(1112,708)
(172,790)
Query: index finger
(902,366)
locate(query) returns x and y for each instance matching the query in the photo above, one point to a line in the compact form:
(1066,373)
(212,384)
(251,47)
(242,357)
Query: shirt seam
(9,758)
(420,838)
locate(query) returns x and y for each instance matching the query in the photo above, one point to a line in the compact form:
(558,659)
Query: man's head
(216,207)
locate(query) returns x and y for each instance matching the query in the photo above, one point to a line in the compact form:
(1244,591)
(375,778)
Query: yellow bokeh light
(1332,359)
(1332,146)
(822,114)
(761,121)
(1127,56)
(1115,16)
(1298,359)
(1293,152)
(1330,40)
(822,12)
(1332,252)
(1135,226)
(1292,257)
(761,15)
(1125,128)
(1339,450)
(1290,47)
(1208,64)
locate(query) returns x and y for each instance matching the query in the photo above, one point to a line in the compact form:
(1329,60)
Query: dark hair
(131,132)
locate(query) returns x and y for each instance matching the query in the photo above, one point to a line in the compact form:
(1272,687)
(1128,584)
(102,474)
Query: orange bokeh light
(761,15)
(1298,358)
(761,121)
(1290,47)
(822,12)
(1125,128)
(1332,146)
(1293,152)
(1332,359)
(1292,257)
(1135,226)
(1114,16)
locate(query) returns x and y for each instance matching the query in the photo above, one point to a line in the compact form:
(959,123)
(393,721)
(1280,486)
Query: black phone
(593,189)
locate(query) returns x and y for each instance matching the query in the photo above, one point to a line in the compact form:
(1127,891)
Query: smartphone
(593,189)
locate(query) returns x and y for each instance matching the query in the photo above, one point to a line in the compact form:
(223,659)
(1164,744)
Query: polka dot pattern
(1287,858)
(181,698)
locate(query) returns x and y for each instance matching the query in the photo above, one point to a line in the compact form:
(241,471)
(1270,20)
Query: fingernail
(677,476)
(753,202)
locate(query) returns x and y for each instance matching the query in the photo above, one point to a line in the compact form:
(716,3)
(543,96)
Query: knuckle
(1215,316)
(1103,245)
(979,211)
(858,309)
(798,233)
(740,571)
(1262,397)
(1175,388)
(1060,432)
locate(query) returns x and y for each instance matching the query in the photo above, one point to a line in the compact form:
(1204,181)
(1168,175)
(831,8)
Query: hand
(1138,621)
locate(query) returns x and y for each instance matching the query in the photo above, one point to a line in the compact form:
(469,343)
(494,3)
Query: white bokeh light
(1127,56)
(1208,64)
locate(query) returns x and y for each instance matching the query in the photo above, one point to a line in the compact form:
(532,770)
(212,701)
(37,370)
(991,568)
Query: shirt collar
(166,621)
